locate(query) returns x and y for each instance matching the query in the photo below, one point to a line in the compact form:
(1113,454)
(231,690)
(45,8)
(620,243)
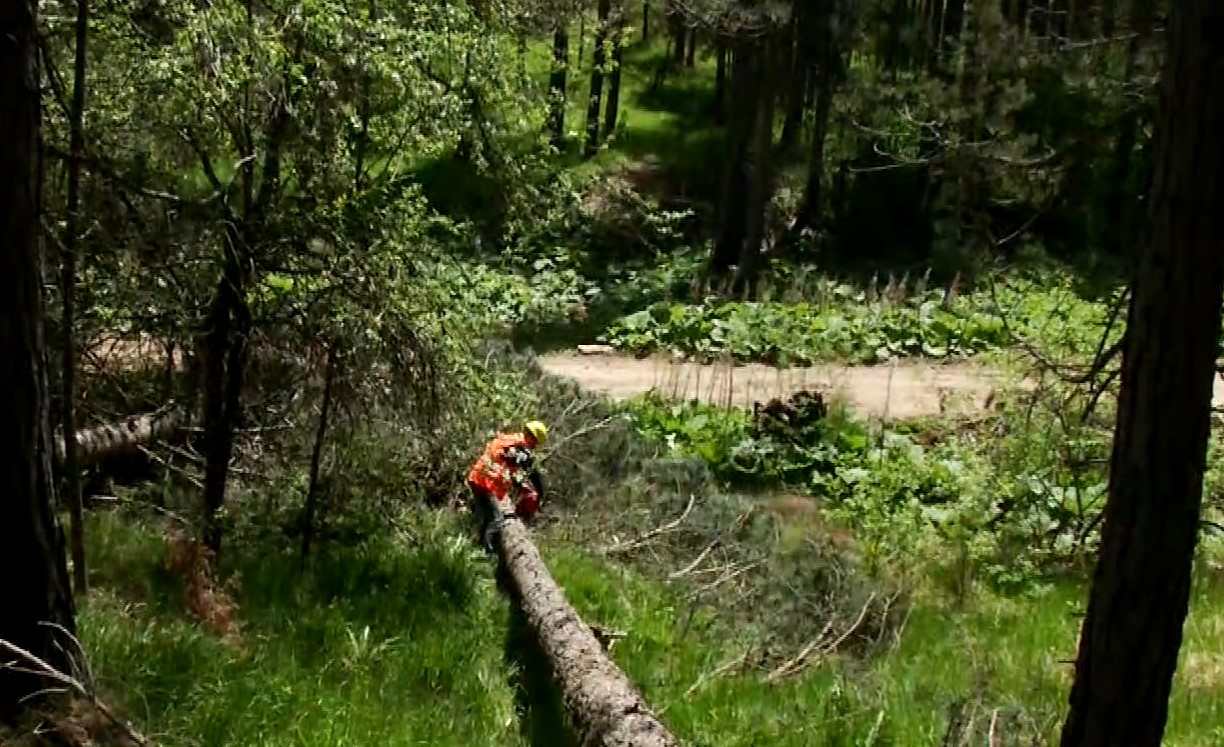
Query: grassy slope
(393,645)
(434,669)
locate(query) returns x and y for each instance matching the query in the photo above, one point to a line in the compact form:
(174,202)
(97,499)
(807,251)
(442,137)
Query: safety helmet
(538,430)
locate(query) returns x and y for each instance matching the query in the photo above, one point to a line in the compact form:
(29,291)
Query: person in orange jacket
(506,467)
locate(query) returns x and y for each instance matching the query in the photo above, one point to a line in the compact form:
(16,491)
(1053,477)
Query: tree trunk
(935,33)
(890,41)
(1141,589)
(675,21)
(225,352)
(316,456)
(1109,16)
(95,444)
(1019,15)
(646,21)
(612,109)
(797,76)
(72,476)
(690,55)
(595,102)
(808,215)
(1056,20)
(728,243)
(761,180)
(36,588)
(748,176)
(720,82)
(606,708)
(557,85)
(953,25)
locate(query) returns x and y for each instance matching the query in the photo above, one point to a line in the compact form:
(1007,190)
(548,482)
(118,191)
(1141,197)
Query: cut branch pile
(606,708)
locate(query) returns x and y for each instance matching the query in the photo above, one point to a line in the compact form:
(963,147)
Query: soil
(893,391)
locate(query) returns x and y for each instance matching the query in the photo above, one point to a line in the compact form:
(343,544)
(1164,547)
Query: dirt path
(904,390)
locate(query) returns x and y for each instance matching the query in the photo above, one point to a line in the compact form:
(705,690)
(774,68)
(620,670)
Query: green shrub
(798,334)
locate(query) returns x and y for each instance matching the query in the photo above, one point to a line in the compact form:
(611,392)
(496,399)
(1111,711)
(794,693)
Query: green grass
(388,644)
(1000,653)
(433,667)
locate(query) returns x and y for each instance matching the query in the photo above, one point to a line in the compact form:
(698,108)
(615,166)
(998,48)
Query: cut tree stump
(95,444)
(606,708)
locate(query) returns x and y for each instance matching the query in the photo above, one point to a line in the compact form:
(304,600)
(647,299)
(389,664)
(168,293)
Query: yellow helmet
(538,430)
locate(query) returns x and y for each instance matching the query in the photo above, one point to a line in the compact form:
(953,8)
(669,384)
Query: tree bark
(36,588)
(646,21)
(1141,588)
(761,180)
(606,708)
(729,241)
(595,102)
(808,215)
(797,76)
(316,457)
(953,25)
(224,356)
(690,55)
(96,444)
(557,84)
(720,82)
(71,473)
(675,22)
(612,108)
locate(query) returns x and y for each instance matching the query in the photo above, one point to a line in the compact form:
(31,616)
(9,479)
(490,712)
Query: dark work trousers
(484,509)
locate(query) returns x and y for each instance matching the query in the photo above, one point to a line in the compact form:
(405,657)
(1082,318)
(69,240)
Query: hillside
(877,344)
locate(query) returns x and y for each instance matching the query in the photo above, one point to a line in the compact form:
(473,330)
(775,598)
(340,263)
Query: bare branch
(44,669)
(657,531)
(797,664)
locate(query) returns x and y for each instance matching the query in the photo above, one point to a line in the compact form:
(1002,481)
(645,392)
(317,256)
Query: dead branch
(42,668)
(173,468)
(719,671)
(657,531)
(803,654)
(741,570)
(144,504)
(556,445)
(686,570)
(797,664)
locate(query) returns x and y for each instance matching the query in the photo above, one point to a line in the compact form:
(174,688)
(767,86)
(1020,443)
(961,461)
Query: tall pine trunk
(810,206)
(1141,589)
(720,81)
(612,108)
(595,102)
(36,589)
(72,475)
(557,85)
(797,75)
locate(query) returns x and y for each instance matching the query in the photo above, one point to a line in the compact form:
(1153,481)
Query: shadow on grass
(537,697)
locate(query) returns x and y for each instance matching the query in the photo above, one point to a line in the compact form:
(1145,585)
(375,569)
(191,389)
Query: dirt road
(904,390)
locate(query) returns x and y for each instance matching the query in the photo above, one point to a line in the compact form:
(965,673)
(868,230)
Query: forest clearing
(591,372)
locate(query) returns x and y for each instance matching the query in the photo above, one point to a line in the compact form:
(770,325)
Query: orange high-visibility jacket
(493,471)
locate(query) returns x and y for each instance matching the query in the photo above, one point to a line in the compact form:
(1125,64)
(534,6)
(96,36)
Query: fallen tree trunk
(95,444)
(606,708)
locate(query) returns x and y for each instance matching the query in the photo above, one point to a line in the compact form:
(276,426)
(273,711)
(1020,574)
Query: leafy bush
(803,333)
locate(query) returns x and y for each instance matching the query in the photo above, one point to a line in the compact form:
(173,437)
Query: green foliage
(799,334)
